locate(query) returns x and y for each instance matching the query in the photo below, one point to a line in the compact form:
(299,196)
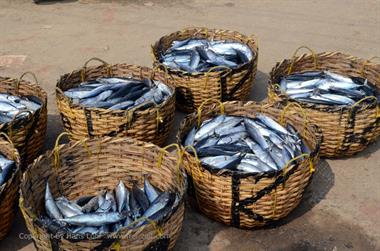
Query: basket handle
(285,110)
(57,162)
(367,98)
(105,64)
(17,85)
(179,159)
(290,69)
(200,108)
(156,68)
(306,155)
(228,71)
(13,121)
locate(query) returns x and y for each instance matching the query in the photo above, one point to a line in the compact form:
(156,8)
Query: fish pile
(7,167)
(15,107)
(325,87)
(119,93)
(109,211)
(199,55)
(246,145)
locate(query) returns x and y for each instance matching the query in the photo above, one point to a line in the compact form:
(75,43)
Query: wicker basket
(194,88)
(9,191)
(28,133)
(346,130)
(151,125)
(91,165)
(249,200)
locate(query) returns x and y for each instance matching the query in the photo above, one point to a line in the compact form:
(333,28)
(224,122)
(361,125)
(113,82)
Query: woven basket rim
(253,48)
(36,89)
(16,172)
(104,140)
(61,96)
(228,173)
(321,107)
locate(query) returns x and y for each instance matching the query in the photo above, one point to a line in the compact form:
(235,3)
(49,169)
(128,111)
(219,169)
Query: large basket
(92,165)
(226,84)
(250,200)
(9,191)
(28,133)
(151,125)
(346,130)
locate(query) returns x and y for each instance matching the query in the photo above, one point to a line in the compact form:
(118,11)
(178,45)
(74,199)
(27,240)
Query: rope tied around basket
(199,165)
(85,146)
(57,161)
(362,100)
(199,112)
(290,69)
(179,159)
(159,231)
(305,119)
(13,121)
(303,155)
(17,84)
(156,69)
(223,74)
(198,162)
(105,64)
(14,155)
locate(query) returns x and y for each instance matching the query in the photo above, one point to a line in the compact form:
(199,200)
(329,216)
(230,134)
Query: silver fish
(190,137)
(94,219)
(67,208)
(269,122)
(110,197)
(208,126)
(222,162)
(150,191)
(260,153)
(50,206)
(92,205)
(122,197)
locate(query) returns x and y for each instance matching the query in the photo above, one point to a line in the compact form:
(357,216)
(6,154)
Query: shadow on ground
(48,2)
(259,88)
(302,230)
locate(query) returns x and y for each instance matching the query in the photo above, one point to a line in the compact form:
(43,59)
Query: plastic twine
(290,69)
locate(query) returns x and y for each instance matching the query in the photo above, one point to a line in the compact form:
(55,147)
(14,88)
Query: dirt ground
(341,208)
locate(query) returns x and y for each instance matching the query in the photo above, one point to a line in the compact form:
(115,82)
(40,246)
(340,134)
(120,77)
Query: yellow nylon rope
(290,69)
(199,112)
(57,161)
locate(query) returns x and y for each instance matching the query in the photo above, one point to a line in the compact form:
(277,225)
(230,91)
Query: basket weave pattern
(27,134)
(248,201)
(151,125)
(194,88)
(9,193)
(91,165)
(346,130)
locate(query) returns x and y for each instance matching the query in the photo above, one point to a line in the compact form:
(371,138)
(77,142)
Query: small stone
(47,26)
(149,4)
